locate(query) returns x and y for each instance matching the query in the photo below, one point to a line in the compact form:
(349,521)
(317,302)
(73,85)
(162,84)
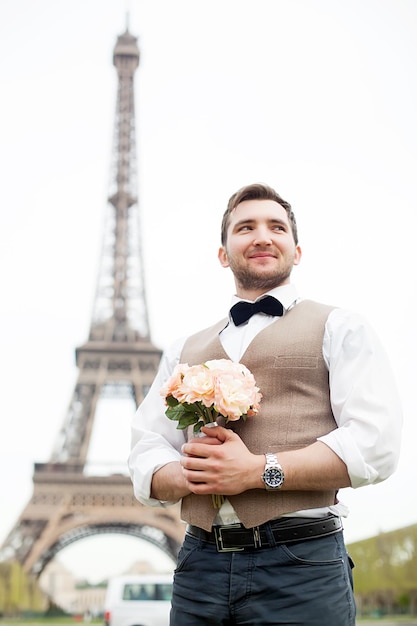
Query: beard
(251,279)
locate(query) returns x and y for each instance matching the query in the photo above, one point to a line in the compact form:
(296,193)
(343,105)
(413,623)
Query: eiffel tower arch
(117,360)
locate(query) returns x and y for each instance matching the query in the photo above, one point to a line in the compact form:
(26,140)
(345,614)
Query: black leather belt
(237,538)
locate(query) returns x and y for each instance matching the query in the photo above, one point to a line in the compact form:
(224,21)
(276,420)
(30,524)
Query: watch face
(273,477)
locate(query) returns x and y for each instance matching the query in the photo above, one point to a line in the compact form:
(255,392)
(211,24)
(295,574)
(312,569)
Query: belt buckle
(219,538)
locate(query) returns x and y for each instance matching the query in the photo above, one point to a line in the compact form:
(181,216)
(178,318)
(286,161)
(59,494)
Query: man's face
(260,248)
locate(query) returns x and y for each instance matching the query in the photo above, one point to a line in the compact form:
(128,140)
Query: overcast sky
(316,97)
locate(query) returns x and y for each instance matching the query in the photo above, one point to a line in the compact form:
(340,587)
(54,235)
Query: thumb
(219,432)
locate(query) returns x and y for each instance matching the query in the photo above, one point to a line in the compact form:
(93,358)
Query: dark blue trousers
(308,583)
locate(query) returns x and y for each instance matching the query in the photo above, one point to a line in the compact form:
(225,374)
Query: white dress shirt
(363,396)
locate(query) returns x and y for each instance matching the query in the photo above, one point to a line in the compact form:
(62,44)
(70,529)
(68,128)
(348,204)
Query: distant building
(60,586)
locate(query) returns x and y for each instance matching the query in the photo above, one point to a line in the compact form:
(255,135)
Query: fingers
(215,463)
(207,441)
(217,432)
(213,435)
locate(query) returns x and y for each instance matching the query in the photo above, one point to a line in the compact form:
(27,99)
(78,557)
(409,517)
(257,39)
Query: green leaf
(188,419)
(197,427)
(171,401)
(184,414)
(175,412)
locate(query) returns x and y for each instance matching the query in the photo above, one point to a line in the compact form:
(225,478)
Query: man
(329,418)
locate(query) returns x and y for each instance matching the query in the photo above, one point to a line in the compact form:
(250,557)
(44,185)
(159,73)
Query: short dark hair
(256,191)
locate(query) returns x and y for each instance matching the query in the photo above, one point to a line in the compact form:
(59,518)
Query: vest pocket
(296,362)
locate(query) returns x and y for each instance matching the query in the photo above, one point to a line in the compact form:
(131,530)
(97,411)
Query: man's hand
(220,463)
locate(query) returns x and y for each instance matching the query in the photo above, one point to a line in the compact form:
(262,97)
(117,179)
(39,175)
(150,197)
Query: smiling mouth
(262,255)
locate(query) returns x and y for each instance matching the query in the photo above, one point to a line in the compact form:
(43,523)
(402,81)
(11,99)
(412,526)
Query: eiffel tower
(118,360)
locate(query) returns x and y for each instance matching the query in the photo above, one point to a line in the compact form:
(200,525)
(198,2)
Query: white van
(138,600)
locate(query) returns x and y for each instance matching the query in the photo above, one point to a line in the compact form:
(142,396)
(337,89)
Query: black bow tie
(242,311)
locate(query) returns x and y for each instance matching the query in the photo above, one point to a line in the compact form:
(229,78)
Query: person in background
(330,418)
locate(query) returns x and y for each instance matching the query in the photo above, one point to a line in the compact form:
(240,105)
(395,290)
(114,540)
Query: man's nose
(262,236)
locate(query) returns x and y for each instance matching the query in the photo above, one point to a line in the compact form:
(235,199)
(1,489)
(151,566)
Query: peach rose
(237,395)
(173,384)
(197,386)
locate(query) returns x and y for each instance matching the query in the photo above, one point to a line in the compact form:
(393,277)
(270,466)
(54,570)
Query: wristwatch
(273,475)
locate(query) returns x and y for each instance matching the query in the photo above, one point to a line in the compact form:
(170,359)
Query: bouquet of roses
(197,395)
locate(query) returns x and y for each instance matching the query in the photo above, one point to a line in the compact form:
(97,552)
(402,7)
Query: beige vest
(287,362)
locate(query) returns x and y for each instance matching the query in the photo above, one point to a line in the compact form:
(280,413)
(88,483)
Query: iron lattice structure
(118,359)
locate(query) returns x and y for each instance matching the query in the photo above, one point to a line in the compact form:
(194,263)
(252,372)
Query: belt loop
(270,535)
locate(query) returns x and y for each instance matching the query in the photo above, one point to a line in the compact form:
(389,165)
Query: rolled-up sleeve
(364,399)
(155,440)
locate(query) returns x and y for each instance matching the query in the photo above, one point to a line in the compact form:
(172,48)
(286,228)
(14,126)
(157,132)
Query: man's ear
(222,256)
(297,255)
